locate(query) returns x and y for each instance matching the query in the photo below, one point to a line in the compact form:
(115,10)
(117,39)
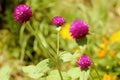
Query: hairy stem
(58,65)
(22,44)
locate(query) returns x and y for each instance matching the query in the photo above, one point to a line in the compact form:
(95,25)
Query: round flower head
(22,13)
(84,62)
(58,21)
(79,29)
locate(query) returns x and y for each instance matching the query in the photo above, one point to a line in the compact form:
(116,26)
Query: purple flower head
(79,29)
(58,21)
(84,62)
(22,13)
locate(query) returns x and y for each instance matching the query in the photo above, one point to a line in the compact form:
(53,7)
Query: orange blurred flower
(103,49)
(112,53)
(101,54)
(104,44)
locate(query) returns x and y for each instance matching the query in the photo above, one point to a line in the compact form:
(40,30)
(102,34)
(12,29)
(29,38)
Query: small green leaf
(53,75)
(51,63)
(31,72)
(43,66)
(28,69)
(66,56)
(82,41)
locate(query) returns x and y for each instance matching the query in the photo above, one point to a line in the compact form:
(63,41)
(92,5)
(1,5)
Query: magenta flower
(79,29)
(22,13)
(58,21)
(84,62)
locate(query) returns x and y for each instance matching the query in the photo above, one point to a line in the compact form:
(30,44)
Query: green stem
(96,71)
(83,75)
(59,71)
(22,54)
(39,38)
(42,39)
(44,44)
(22,44)
(58,65)
(30,28)
(58,43)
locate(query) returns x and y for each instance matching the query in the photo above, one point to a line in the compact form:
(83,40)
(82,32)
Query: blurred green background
(103,16)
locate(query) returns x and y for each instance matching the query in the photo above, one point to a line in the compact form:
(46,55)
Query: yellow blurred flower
(65,32)
(115,37)
(109,77)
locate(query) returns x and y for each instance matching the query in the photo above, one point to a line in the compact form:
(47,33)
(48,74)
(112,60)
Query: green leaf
(74,73)
(67,56)
(82,41)
(75,57)
(5,73)
(30,71)
(84,75)
(54,75)
(43,66)
(37,71)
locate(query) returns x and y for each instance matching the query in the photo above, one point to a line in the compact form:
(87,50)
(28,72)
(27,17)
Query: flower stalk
(39,37)
(58,64)
(22,44)
(58,21)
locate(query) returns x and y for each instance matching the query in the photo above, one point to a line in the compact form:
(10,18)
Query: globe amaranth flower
(84,62)
(22,13)
(58,21)
(79,29)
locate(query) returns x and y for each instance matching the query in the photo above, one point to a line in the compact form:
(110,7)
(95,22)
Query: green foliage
(68,57)
(43,71)
(84,75)
(53,75)
(37,71)
(74,73)
(5,73)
